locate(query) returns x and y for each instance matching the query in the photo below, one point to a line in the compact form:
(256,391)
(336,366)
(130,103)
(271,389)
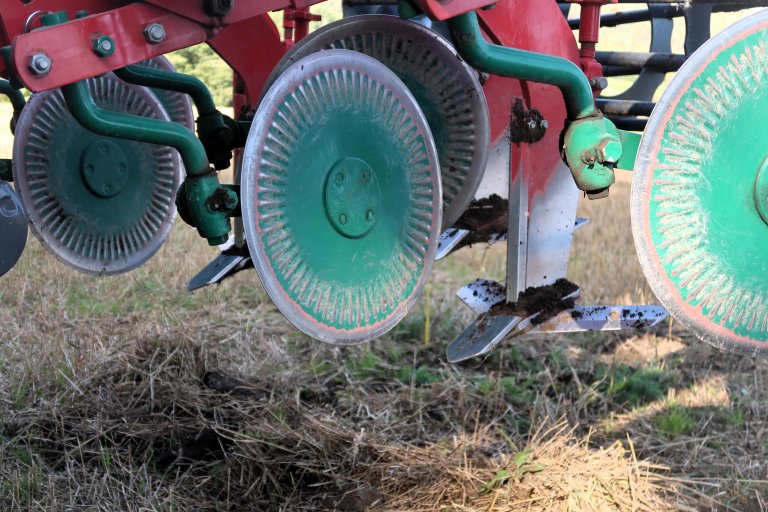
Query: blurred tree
(202,62)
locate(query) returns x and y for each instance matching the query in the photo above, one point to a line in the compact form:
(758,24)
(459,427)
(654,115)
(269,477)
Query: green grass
(675,421)
(634,386)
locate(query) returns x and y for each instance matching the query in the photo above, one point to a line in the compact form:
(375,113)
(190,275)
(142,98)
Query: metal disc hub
(341,196)
(352,197)
(700,188)
(105,168)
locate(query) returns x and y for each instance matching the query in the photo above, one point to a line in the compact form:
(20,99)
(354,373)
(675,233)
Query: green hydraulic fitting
(201,181)
(592,148)
(103,45)
(524,65)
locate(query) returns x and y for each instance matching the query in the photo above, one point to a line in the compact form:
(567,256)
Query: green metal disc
(699,191)
(445,87)
(101,205)
(341,196)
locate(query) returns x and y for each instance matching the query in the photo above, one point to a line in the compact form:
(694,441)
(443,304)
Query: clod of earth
(545,300)
(483,218)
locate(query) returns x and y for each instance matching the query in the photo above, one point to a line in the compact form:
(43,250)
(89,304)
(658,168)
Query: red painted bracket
(252,68)
(242,10)
(70,46)
(444,9)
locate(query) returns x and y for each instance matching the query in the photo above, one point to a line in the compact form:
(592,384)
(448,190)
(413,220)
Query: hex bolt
(366,175)
(342,219)
(369,215)
(598,82)
(103,46)
(40,64)
(154,33)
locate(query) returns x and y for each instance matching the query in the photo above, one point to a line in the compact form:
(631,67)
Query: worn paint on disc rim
(334,110)
(699,236)
(446,88)
(97,234)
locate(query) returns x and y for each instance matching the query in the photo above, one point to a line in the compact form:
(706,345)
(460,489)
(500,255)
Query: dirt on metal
(547,301)
(484,218)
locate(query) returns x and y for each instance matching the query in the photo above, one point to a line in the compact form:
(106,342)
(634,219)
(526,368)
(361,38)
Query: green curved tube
(177,82)
(142,129)
(15,95)
(522,64)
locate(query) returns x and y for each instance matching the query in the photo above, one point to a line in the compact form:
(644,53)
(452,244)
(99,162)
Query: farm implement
(368,149)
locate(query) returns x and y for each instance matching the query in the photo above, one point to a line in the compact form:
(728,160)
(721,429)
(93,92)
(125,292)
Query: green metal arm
(143,129)
(178,82)
(207,203)
(525,65)
(218,133)
(15,95)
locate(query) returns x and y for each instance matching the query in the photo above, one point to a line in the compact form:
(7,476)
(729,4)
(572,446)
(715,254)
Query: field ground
(128,393)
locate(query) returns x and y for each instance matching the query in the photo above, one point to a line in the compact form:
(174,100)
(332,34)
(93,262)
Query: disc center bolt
(352,197)
(104,168)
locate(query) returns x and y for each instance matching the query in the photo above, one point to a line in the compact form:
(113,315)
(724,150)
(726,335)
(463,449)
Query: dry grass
(107,401)
(128,393)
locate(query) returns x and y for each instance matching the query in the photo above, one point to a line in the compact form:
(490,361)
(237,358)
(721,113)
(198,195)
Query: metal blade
(449,239)
(481,337)
(602,318)
(482,294)
(580,222)
(223,266)
(487,331)
(13,228)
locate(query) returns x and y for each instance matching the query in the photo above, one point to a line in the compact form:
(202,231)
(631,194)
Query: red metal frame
(518,24)
(444,9)
(589,35)
(185,23)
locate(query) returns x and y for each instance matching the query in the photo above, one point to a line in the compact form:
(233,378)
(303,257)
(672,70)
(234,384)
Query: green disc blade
(341,196)
(699,191)
(101,205)
(445,87)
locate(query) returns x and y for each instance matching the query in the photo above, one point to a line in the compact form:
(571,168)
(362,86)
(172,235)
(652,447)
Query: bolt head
(40,64)
(609,151)
(103,46)
(599,83)
(154,33)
